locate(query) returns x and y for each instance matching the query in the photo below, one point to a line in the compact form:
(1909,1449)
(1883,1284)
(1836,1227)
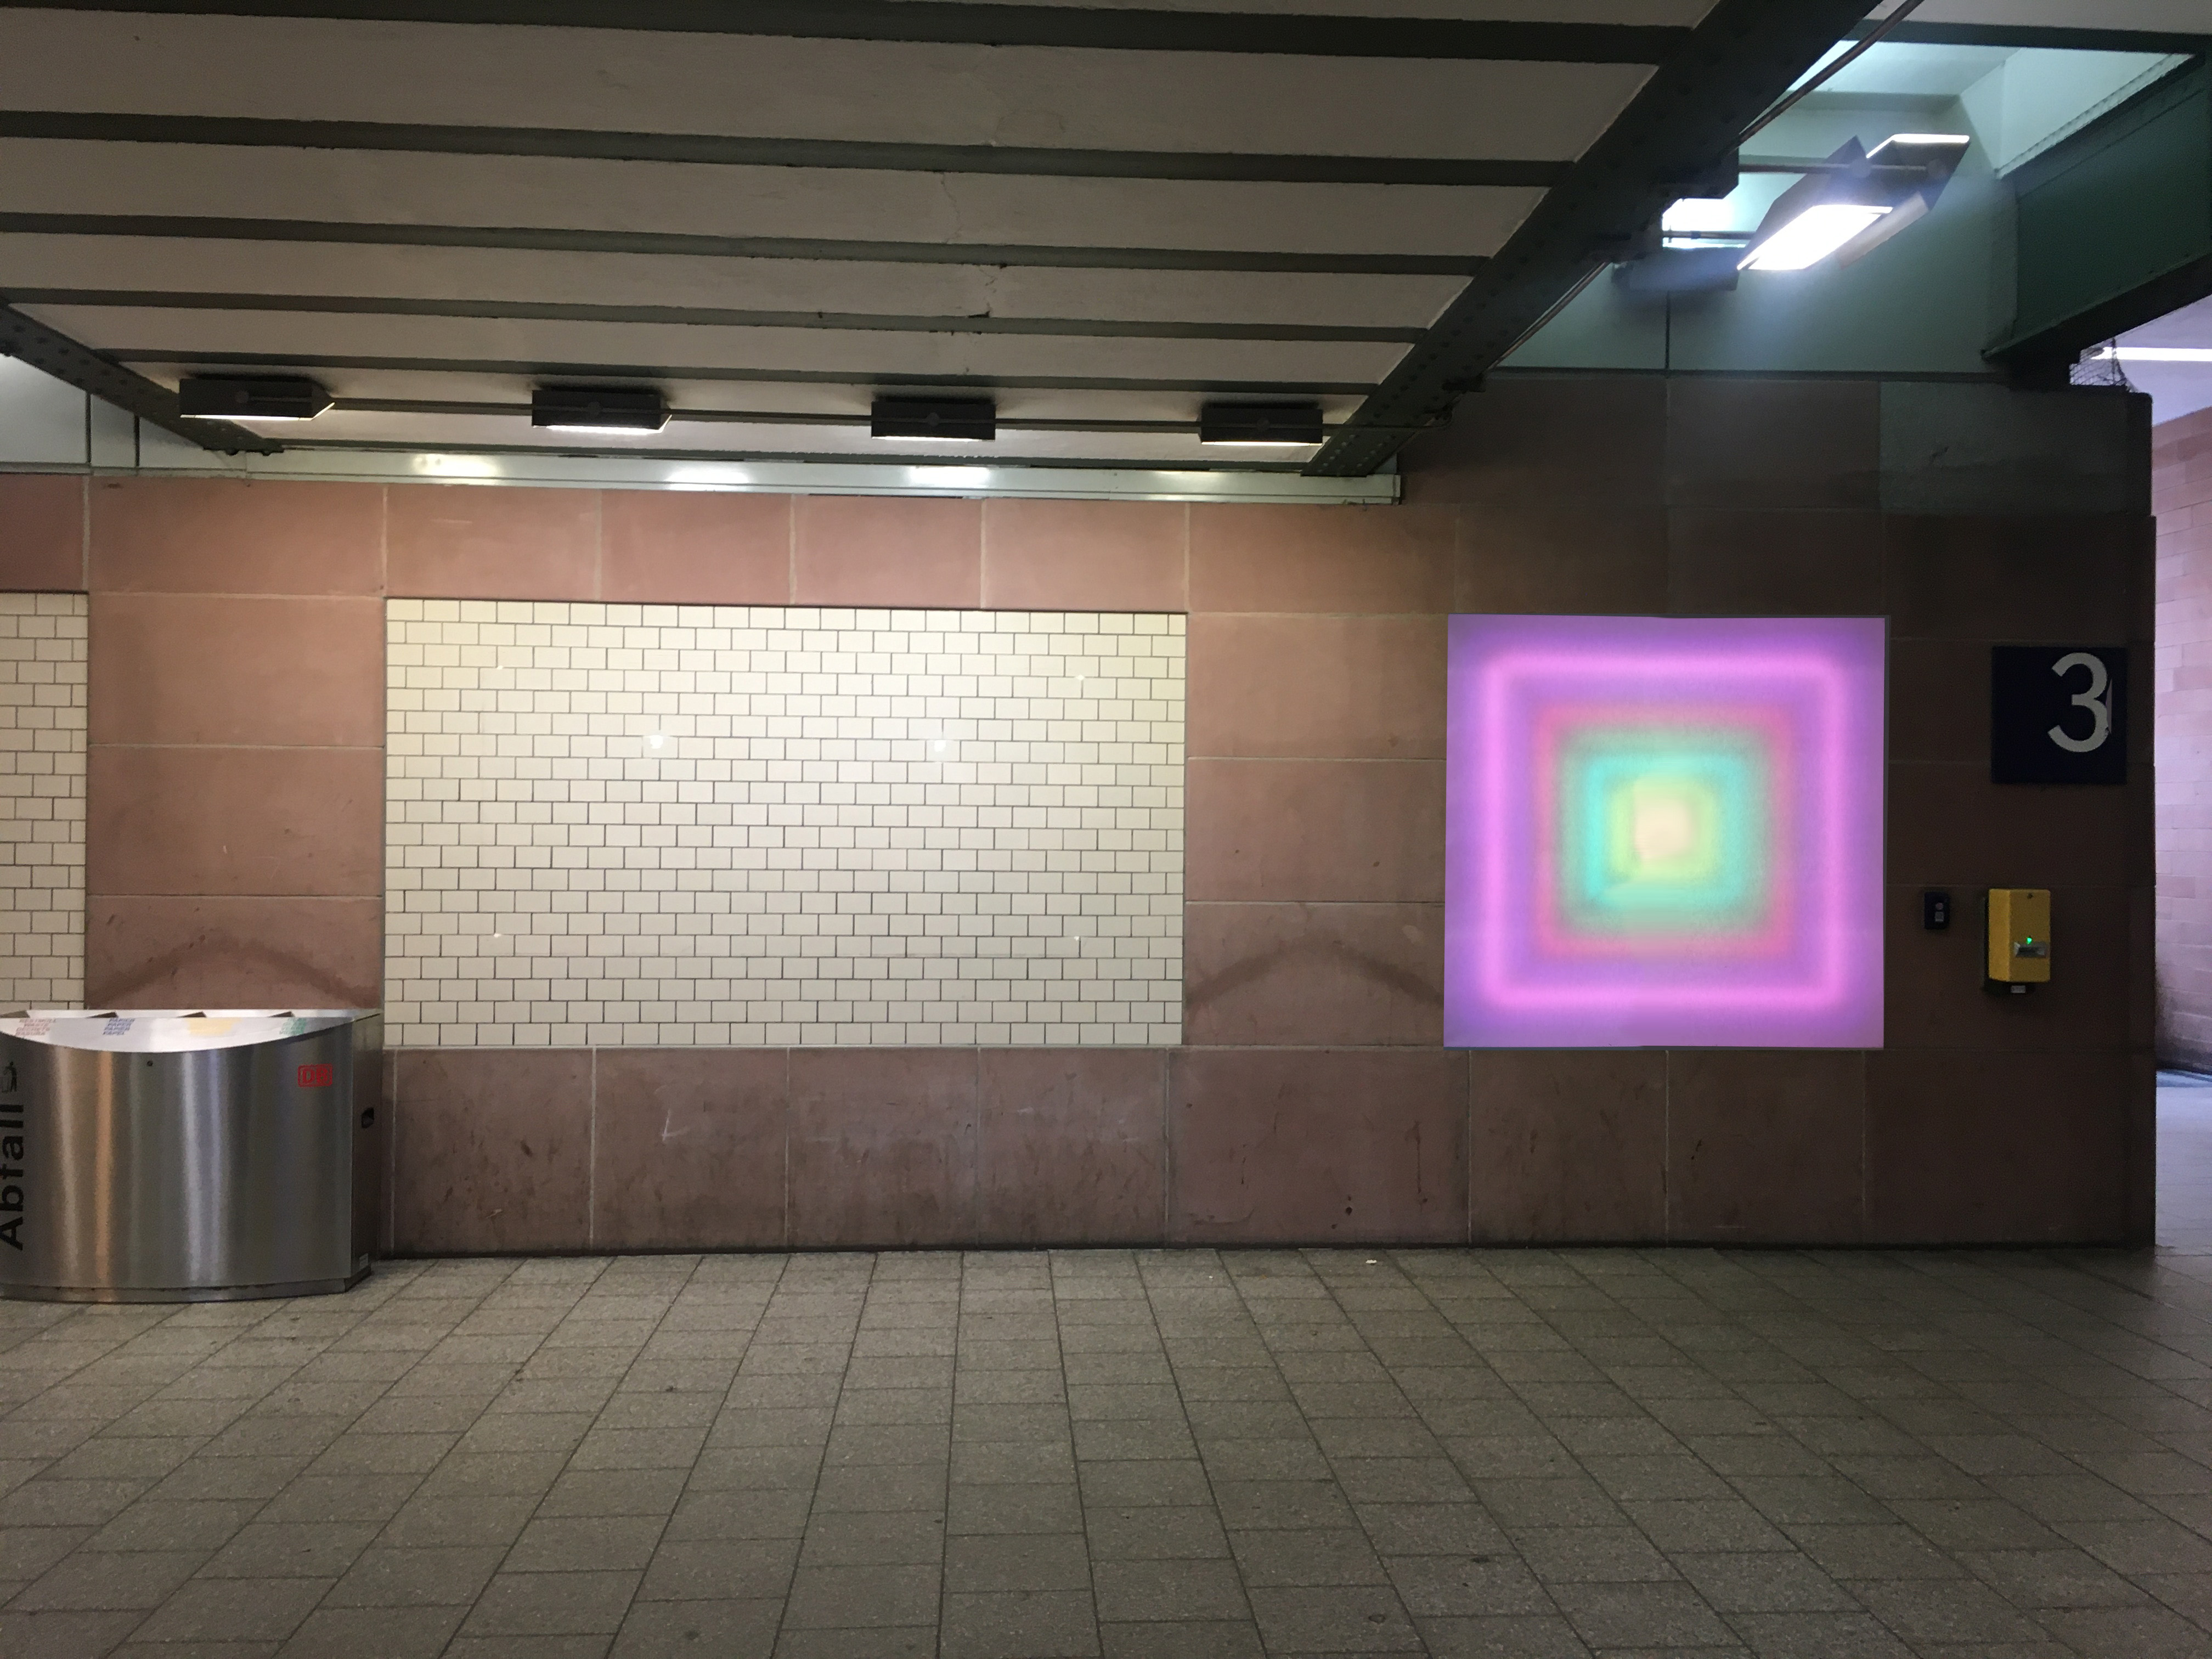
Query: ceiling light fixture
(1854,201)
(1255,425)
(943,420)
(2135,353)
(245,398)
(607,409)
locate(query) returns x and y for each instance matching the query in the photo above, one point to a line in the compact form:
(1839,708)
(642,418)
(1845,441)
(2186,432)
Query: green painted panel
(2116,206)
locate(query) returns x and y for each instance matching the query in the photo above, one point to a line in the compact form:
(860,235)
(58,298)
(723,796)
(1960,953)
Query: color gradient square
(1664,832)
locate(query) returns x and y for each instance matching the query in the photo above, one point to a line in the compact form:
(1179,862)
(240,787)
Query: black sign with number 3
(2058,714)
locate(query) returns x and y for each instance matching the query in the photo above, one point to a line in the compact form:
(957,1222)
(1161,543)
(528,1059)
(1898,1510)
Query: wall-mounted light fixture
(1272,425)
(949,420)
(610,408)
(250,398)
(1850,204)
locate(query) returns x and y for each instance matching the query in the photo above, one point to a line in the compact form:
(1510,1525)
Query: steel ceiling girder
(961,23)
(31,341)
(1684,122)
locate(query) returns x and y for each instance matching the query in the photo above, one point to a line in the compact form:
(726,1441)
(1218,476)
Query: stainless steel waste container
(161,1155)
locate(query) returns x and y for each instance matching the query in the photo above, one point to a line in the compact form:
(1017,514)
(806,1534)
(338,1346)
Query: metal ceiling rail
(1685,120)
(693,246)
(685,245)
(215,361)
(945,23)
(708,316)
(716,149)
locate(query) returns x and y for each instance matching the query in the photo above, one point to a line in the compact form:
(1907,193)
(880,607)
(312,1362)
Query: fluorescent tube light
(1921,140)
(1812,236)
(1853,202)
(1699,214)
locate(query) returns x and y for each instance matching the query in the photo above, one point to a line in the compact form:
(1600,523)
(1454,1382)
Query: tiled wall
(654,826)
(42,697)
(2183,482)
(1309,1098)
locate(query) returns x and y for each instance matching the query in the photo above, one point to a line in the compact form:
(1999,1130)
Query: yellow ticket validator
(2019,935)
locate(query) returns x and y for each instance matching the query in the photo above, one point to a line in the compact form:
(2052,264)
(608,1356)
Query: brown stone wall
(236,823)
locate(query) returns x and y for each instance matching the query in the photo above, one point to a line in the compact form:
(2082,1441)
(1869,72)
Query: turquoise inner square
(1662,830)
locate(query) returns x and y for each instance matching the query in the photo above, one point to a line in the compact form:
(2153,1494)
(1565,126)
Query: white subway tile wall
(42,737)
(611,824)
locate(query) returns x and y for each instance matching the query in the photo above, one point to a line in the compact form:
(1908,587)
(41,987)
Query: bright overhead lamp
(1810,234)
(607,409)
(1854,201)
(1254,425)
(245,398)
(945,419)
(2135,353)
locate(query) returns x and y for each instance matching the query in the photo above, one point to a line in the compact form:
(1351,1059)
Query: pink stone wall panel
(1767,1143)
(688,1149)
(1996,1146)
(41,533)
(1071,1146)
(1365,560)
(1315,830)
(883,1151)
(1271,1147)
(1352,687)
(234,820)
(154,951)
(1567,1144)
(1085,555)
(1288,974)
(491,1151)
(897,551)
(695,547)
(199,669)
(458,542)
(214,536)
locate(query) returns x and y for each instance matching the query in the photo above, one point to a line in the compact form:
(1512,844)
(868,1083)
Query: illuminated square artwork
(1664,832)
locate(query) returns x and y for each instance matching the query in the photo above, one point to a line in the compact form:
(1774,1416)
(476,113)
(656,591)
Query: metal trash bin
(160,1155)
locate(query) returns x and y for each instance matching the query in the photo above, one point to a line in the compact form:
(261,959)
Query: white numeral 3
(2094,700)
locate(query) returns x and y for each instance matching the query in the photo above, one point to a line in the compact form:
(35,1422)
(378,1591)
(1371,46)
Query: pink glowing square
(1664,832)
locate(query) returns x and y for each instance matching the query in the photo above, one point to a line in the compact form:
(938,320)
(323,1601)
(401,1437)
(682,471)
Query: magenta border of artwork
(1819,681)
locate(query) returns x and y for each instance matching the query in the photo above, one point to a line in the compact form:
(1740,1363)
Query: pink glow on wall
(1664,832)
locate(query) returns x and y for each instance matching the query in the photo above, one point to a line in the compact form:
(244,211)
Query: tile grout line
(836,1403)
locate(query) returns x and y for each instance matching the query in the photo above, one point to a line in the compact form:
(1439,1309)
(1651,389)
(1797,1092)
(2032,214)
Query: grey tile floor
(1159,1454)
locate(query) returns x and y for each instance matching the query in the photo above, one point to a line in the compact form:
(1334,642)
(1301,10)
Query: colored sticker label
(315,1077)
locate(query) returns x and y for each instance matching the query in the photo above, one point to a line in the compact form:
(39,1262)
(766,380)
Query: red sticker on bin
(314,1076)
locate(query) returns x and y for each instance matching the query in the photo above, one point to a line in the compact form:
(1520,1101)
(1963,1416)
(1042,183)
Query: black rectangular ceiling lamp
(250,398)
(954,419)
(597,409)
(1271,424)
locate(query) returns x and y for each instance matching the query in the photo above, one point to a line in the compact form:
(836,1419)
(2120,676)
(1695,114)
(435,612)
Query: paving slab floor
(1162,1455)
